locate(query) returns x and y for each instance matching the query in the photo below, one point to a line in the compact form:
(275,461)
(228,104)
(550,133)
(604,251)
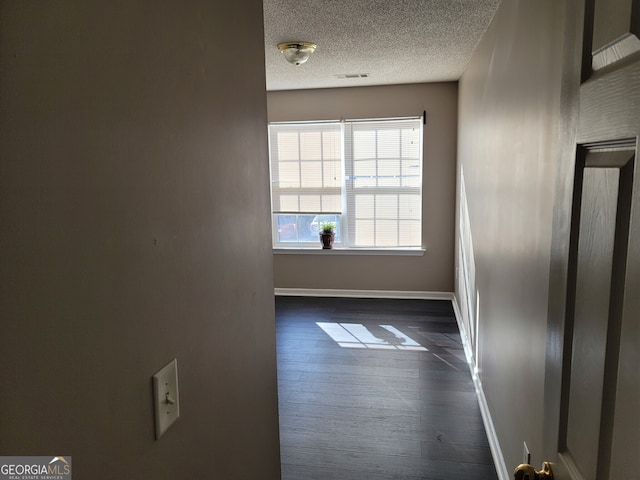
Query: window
(364,175)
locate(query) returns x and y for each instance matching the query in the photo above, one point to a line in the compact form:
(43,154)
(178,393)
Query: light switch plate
(166,399)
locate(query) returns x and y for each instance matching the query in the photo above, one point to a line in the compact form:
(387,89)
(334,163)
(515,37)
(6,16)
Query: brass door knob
(527,472)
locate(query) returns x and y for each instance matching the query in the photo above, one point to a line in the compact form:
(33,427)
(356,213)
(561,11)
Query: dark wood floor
(391,397)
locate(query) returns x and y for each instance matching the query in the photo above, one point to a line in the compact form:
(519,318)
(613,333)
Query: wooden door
(592,386)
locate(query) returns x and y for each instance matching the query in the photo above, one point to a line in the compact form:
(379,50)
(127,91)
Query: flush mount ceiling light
(297,52)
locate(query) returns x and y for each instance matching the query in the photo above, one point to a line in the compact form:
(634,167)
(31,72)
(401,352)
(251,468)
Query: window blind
(384,182)
(306,168)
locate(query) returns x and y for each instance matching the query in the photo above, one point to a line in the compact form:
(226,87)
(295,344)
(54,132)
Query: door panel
(602,205)
(611,21)
(625,435)
(615,35)
(595,258)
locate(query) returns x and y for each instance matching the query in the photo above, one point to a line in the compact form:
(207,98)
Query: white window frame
(347,218)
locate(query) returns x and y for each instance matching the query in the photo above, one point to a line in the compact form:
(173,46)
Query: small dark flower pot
(327,240)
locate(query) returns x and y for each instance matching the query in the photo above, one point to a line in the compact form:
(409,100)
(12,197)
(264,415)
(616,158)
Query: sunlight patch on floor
(380,337)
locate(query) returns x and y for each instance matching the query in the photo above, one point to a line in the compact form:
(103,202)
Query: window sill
(409,252)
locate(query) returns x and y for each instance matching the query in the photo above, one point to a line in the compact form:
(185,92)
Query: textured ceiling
(393,41)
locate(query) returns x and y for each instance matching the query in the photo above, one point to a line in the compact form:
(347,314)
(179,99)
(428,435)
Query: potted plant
(326,230)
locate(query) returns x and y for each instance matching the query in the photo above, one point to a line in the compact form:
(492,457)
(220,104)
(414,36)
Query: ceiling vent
(352,75)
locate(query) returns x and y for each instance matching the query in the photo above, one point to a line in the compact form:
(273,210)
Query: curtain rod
(423,116)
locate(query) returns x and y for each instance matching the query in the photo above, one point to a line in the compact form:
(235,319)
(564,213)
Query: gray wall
(135,228)
(508,152)
(433,271)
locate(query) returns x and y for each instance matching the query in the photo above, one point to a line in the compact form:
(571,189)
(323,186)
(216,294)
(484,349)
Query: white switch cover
(165,397)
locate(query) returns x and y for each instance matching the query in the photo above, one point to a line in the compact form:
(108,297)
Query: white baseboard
(315,292)
(492,436)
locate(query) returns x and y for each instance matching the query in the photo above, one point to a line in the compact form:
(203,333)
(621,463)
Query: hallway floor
(376,389)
